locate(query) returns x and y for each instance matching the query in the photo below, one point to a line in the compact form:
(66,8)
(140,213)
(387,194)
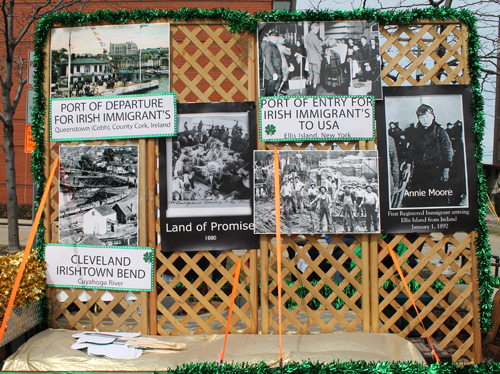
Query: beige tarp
(51,351)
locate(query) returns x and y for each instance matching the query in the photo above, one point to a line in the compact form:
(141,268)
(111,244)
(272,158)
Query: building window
(87,69)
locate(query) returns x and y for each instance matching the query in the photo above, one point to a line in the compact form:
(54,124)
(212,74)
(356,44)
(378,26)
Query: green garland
(239,21)
(308,367)
(353,367)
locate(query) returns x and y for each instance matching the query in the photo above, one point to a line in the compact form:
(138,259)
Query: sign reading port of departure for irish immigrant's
(113,117)
(316,118)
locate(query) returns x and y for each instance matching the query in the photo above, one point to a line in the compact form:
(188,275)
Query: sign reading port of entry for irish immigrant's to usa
(100,267)
(113,117)
(316,118)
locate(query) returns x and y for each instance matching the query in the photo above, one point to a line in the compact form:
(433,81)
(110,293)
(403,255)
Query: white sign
(30,103)
(100,267)
(31,68)
(113,117)
(318,118)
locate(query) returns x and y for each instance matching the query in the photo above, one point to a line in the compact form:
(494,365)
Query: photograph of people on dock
(319,58)
(108,60)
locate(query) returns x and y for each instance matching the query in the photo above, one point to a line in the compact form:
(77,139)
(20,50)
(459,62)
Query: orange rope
(27,250)
(277,204)
(398,268)
(233,297)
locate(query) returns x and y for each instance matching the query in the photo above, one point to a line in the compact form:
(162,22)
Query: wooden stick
(152,296)
(231,304)
(374,282)
(365,276)
(278,240)
(476,327)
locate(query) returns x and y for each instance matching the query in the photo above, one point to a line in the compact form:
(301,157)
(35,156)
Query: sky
(87,40)
(487,26)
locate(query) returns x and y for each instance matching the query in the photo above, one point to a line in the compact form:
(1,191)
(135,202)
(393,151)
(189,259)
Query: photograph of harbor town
(98,195)
(110,60)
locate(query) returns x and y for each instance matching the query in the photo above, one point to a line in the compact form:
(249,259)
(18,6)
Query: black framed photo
(428,169)
(206,179)
(319,58)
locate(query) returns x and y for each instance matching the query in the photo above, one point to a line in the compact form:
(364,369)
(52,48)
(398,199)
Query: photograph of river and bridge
(110,60)
(98,195)
(320,192)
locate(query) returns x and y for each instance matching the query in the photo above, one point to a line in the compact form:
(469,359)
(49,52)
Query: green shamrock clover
(148,257)
(270,129)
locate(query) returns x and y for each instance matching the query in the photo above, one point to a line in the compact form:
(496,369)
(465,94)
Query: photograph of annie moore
(209,166)
(320,192)
(426,151)
(319,58)
(98,202)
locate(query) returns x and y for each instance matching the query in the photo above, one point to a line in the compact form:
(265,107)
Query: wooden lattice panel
(433,277)
(330,306)
(200,304)
(209,64)
(315,306)
(422,54)
(116,312)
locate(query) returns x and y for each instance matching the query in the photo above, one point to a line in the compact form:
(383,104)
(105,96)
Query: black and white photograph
(209,165)
(98,201)
(427,134)
(206,171)
(320,192)
(110,60)
(319,58)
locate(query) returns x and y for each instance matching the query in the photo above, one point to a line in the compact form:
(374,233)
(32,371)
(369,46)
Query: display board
(194,80)
(428,169)
(205,179)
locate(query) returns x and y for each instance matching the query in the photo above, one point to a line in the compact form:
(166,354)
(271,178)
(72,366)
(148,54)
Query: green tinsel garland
(353,367)
(308,367)
(239,21)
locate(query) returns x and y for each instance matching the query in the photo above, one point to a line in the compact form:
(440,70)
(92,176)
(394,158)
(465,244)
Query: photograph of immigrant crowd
(319,58)
(320,192)
(426,151)
(209,165)
(110,60)
(98,195)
